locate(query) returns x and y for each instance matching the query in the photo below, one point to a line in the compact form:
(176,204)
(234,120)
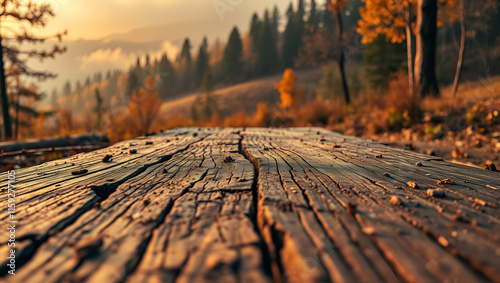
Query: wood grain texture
(254,205)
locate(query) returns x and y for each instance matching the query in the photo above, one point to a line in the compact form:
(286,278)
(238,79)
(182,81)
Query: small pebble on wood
(412,185)
(419,164)
(436,193)
(396,201)
(228,159)
(87,247)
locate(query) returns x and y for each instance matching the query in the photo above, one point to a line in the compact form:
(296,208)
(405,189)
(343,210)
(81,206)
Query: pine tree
(186,63)
(232,65)
(54,104)
(381,59)
(133,81)
(167,76)
(255,25)
(314,18)
(267,53)
(209,106)
(147,65)
(275,23)
(301,9)
(287,51)
(24,112)
(98,77)
(202,62)
(67,88)
(289,10)
(98,109)
(78,88)
(292,37)
(208,83)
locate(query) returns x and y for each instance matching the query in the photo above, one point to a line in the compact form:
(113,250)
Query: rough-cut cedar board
(317,208)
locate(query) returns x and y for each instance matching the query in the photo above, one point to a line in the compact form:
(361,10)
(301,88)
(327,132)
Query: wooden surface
(254,205)
(74,141)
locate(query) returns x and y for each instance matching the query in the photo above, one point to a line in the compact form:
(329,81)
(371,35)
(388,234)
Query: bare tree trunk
(409,54)
(18,103)
(3,96)
(340,34)
(462,49)
(425,57)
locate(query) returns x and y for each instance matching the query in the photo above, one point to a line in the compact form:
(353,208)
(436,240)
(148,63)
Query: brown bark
(3,96)
(461,53)
(425,57)
(409,54)
(340,61)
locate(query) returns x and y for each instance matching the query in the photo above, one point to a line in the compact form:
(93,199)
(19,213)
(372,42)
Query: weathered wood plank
(411,224)
(255,205)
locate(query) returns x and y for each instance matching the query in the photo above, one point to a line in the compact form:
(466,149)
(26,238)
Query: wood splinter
(79,171)
(446,182)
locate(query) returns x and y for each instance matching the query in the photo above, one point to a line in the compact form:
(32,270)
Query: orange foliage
(289,94)
(263,115)
(65,122)
(144,108)
(318,113)
(237,119)
(389,18)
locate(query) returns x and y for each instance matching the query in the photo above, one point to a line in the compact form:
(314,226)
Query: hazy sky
(109,34)
(96,19)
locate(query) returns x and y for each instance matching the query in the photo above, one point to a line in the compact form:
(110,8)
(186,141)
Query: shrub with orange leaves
(289,94)
(237,119)
(144,108)
(318,113)
(263,115)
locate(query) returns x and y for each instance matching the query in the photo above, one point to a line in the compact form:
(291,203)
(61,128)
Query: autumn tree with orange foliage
(399,21)
(144,108)
(289,94)
(392,19)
